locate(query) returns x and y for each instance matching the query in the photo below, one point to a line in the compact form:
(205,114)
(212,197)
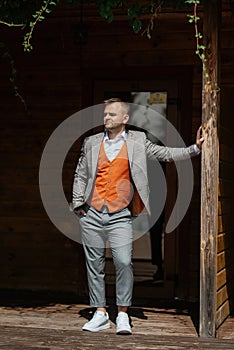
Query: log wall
(225,242)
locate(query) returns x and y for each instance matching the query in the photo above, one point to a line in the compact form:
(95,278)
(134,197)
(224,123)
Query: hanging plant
(27,14)
(200,48)
(7,56)
(38,16)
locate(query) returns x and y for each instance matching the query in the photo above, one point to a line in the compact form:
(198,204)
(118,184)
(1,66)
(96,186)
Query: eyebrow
(111,114)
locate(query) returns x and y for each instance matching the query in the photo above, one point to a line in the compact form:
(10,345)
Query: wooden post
(209,170)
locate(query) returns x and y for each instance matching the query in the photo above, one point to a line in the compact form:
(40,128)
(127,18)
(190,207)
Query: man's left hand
(199,138)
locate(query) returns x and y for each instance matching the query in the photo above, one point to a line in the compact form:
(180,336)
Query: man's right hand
(79,211)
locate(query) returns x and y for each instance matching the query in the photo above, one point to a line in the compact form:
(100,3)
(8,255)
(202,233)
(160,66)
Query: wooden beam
(209,169)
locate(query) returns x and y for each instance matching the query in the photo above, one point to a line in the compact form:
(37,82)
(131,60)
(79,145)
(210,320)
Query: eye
(110,114)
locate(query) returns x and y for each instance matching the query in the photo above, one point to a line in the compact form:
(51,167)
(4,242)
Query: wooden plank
(209,180)
(166,318)
(225,276)
(225,223)
(25,176)
(225,293)
(226,331)
(221,278)
(225,241)
(225,258)
(224,301)
(222,313)
(58,326)
(222,296)
(150,58)
(18,224)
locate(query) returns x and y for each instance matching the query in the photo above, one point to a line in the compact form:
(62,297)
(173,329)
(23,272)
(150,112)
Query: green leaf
(110,17)
(134,10)
(201,47)
(191,18)
(102,10)
(137,25)
(190,1)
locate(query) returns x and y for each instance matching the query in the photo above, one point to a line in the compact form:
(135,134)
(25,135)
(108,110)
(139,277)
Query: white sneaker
(122,324)
(99,321)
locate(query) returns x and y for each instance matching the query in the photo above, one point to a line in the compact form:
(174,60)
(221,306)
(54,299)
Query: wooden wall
(225,243)
(34,254)
(225,240)
(53,80)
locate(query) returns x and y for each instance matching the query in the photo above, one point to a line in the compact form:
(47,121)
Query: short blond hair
(124,105)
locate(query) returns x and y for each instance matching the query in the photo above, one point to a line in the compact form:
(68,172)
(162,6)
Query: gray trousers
(97,228)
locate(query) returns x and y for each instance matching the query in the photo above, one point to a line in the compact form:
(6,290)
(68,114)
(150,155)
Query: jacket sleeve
(80,179)
(169,154)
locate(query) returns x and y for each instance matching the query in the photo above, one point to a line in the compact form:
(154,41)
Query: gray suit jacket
(138,148)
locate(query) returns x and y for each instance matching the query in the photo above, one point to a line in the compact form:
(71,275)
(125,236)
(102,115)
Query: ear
(125,118)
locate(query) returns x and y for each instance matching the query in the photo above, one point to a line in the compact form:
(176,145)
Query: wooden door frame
(210,171)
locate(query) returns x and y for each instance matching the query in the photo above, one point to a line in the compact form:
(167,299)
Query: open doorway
(153,248)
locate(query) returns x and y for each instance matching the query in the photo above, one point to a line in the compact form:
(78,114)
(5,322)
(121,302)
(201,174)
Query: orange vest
(113,181)
(113,185)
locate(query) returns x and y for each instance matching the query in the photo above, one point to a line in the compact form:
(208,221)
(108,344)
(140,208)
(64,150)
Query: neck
(112,134)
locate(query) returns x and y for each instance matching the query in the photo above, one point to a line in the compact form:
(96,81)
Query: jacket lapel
(95,152)
(130,145)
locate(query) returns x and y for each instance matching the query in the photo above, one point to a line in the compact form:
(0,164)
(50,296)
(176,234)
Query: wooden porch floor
(58,327)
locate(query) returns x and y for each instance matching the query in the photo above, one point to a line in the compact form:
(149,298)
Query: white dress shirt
(113,147)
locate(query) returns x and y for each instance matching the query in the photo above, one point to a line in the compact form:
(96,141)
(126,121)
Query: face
(114,117)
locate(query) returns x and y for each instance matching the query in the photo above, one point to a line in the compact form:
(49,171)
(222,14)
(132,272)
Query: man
(110,186)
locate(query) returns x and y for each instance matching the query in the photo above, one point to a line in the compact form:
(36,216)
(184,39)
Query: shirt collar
(120,136)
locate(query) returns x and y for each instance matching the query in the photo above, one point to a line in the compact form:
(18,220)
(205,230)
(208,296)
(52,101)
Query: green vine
(26,14)
(6,55)
(12,24)
(155,10)
(15,13)
(200,48)
(39,16)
